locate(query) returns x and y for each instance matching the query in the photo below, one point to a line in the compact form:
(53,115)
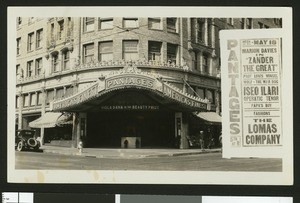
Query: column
(210,65)
(65,90)
(205,32)
(81,135)
(181,130)
(201,61)
(213,40)
(196,30)
(43,109)
(185,131)
(217,101)
(181,61)
(74,130)
(20,121)
(189,27)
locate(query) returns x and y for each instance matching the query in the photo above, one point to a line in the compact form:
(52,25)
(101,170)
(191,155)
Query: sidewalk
(125,153)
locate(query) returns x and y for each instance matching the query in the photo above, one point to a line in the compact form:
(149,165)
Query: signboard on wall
(252,85)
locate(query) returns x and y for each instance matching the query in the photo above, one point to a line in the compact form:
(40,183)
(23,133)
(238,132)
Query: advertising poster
(253,74)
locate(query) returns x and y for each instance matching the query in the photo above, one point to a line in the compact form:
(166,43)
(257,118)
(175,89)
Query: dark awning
(50,120)
(211,117)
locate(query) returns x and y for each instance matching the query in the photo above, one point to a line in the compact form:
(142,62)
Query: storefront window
(130,50)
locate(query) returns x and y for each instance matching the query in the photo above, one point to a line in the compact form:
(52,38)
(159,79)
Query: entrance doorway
(155,128)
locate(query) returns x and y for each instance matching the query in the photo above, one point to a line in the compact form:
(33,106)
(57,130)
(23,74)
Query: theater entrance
(155,129)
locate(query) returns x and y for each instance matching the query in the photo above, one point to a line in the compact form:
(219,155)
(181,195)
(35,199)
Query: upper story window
(130,50)
(30,42)
(50,96)
(52,30)
(18,45)
(262,26)
(130,22)
(19,71)
(246,23)
(172,24)
(39,38)
(19,21)
(154,23)
(278,21)
(200,92)
(106,23)
(205,63)
(88,24)
(200,31)
(30,20)
(210,96)
(66,60)
(29,71)
(196,61)
(154,51)
(38,66)
(61,29)
(105,51)
(172,53)
(229,21)
(88,53)
(55,63)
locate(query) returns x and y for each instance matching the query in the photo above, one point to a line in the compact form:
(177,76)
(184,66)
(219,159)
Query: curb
(130,156)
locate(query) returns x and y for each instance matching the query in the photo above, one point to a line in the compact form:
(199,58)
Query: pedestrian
(201,140)
(80,147)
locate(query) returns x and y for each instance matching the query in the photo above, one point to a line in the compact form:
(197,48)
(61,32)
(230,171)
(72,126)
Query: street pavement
(141,159)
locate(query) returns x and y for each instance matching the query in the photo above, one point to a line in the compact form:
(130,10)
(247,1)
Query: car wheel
(20,146)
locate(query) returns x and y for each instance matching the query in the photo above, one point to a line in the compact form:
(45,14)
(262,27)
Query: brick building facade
(114,79)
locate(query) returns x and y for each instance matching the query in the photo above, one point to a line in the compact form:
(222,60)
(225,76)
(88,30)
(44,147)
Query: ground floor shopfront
(127,109)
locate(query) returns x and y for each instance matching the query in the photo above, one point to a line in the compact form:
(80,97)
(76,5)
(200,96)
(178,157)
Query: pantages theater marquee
(131,108)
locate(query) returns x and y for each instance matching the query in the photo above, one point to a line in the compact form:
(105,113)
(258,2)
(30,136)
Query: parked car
(26,139)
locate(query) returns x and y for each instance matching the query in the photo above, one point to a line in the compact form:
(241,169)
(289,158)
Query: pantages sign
(131,77)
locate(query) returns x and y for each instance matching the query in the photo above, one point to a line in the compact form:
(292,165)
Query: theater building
(121,82)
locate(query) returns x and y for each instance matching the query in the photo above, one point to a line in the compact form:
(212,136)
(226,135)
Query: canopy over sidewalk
(210,117)
(51,119)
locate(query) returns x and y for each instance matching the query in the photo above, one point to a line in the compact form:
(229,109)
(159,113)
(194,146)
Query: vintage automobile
(26,139)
